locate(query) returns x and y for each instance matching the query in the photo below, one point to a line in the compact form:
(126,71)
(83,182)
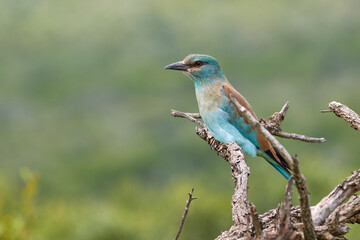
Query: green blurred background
(88,147)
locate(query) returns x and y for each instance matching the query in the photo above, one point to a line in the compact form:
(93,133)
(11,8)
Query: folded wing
(265,149)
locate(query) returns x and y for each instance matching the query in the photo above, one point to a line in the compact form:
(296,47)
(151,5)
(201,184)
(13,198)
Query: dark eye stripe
(198,63)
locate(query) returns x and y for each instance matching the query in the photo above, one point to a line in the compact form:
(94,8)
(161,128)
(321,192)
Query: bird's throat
(209,95)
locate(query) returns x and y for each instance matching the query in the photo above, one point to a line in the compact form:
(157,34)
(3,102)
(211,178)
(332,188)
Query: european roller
(220,115)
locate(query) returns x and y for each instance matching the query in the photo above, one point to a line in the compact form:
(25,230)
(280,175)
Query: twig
(191,116)
(284,109)
(253,121)
(194,115)
(272,124)
(288,194)
(300,137)
(285,207)
(185,213)
(342,192)
(308,229)
(326,111)
(344,112)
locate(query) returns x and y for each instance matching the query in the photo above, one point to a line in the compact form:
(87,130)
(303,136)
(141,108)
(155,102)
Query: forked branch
(325,220)
(272,124)
(185,213)
(342,192)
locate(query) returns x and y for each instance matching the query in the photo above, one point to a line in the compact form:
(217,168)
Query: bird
(219,113)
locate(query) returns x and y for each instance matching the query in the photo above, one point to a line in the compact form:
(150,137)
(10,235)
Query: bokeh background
(88,147)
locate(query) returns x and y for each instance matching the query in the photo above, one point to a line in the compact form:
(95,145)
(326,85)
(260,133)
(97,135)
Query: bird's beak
(177,66)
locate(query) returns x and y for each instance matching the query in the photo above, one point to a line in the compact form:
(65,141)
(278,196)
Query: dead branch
(300,137)
(349,212)
(256,222)
(191,116)
(300,181)
(284,228)
(272,124)
(240,172)
(308,228)
(185,213)
(342,192)
(325,220)
(344,112)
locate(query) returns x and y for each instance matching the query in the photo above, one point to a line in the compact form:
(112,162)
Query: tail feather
(283,171)
(281,166)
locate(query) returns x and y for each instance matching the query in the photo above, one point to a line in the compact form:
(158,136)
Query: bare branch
(334,226)
(308,228)
(283,225)
(326,111)
(350,211)
(240,174)
(300,137)
(300,181)
(256,222)
(272,124)
(185,213)
(285,222)
(342,192)
(191,116)
(288,194)
(284,109)
(175,113)
(344,112)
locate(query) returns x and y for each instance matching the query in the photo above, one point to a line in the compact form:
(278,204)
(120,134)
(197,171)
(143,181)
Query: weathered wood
(326,220)
(344,112)
(240,173)
(308,227)
(272,124)
(342,192)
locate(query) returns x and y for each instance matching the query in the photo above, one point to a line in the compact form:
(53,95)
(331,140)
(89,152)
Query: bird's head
(199,67)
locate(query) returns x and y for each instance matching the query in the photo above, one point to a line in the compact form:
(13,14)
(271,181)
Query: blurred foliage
(17,222)
(84,103)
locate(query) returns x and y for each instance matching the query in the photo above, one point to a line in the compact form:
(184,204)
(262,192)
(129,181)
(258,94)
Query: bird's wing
(256,137)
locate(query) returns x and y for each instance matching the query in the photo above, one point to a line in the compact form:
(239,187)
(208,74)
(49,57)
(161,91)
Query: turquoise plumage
(220,115)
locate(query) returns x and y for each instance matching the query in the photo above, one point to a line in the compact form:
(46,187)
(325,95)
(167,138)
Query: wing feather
(259,139)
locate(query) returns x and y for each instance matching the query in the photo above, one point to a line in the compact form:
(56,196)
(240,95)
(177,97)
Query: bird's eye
(199,63)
